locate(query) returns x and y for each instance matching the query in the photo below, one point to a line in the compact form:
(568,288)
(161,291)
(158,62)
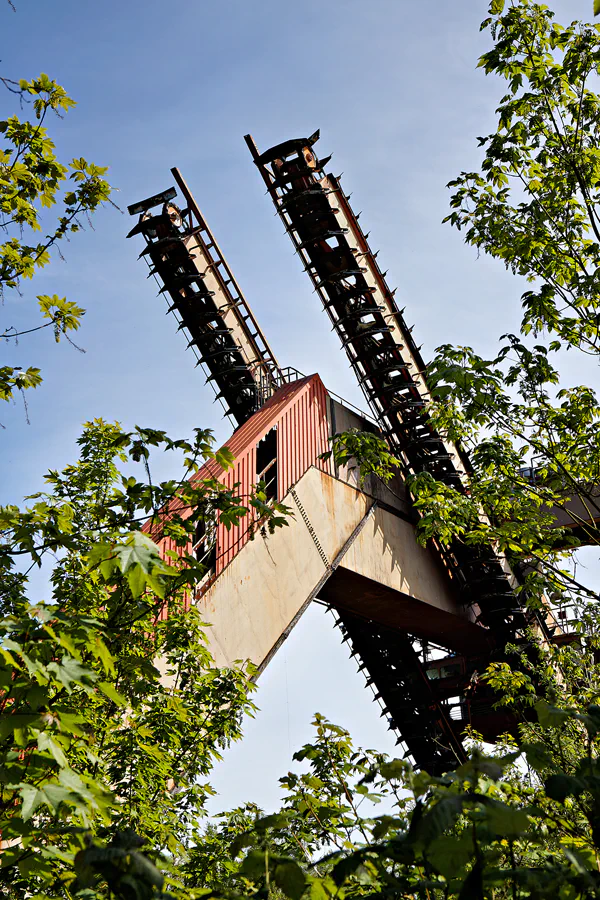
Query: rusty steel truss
(389,368)
(185,257)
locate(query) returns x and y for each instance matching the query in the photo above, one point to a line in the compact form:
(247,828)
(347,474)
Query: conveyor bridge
(422,622)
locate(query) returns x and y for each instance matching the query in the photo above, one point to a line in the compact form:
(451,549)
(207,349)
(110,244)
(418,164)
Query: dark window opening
(266,463)
(205,547)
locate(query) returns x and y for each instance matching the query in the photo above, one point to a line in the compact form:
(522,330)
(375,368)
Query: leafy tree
(112,714)
(533,204)
(523,823)
(32,181)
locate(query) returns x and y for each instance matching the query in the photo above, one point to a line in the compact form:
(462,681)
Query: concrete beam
(258,598)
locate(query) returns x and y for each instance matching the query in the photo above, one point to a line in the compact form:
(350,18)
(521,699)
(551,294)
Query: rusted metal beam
(250,331)
(346,275)
(183,253)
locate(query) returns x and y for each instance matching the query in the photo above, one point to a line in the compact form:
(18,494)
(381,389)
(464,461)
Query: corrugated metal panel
(299,412)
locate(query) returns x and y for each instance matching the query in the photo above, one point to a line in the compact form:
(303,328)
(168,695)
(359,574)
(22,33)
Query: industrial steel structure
(422,622)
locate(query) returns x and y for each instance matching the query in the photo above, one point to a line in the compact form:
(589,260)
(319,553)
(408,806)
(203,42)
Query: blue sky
(393,85)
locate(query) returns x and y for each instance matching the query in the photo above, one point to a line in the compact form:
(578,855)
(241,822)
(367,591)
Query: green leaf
(254,864)
(275,820)
(45,742)
(551,716)
(32,798)
(538,755)
(145,870)
(441,816)
(70,672)
(102,653)
(290,878)
(111,692)
(10,723)
(241,841)
(140,561)
(449,853)
(395,769)
(318,890)
(346,867)
(70,723)
(504,820)
(138,550)
(560,786)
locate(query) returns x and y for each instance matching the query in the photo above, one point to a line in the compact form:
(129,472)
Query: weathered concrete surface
(394,493)
(385,575)
(387,552)
(255,600)
(581,513)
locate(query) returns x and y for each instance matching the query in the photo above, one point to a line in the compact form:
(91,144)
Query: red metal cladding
(299,413)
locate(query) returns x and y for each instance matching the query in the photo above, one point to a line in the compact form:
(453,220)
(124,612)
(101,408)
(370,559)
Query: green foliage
(524,823)
(533,439)
(112,715)
(533,205)
(32,181)
(363,451)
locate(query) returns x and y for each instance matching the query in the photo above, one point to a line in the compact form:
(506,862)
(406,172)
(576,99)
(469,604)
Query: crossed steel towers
(186,259)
